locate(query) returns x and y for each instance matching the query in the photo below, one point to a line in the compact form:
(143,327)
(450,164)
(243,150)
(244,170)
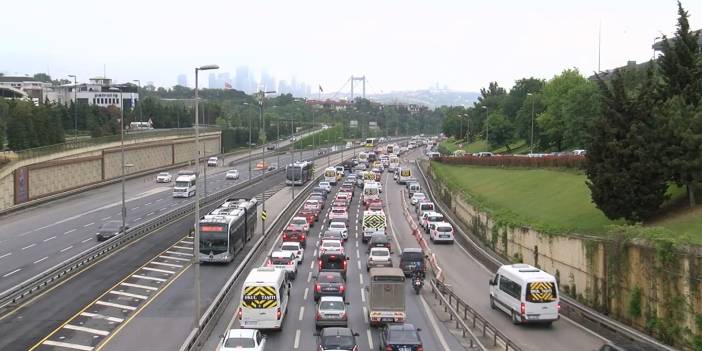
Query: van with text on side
(185,186)
(264,299)
(526,293)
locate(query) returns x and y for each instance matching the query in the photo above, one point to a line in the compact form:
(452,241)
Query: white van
(525,293)
(413,188)
(330,175)
(264,299)
(185,186)
(442,232)
(371,192)
(424,206)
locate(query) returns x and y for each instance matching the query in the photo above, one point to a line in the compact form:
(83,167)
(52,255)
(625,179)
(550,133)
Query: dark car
(379,240)
(329,284)
(333,261)
(342,339)
(347,186)
(319,192)
(270,147)
(628,347)
(109,229)
(412,258)
(400,337)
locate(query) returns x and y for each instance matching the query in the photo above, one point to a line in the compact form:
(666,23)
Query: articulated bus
(225,230)
(298,173)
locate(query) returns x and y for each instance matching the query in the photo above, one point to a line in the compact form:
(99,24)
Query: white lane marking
(25,233)
(309,277)
(51,238)
(181,247)
(296,344)
(135,208)
(136,296)
(37,261)
(179,253)
(105,218)
(370,339)
(363,294)
(116,305)
(163,209)
(358,254)
(434,325)
(69,232)
(88,225)
(175,258)
(147,204)
(185,242)
(312,264)
(137,219)
(148,278)
(139,286)
(167,264)
(11,273)
(359,264)
(86,240)
(304,296)
(87,330)
(159,199)
(149,214)
(365,315)
(102,316)
(7,254)
(302,312)
(315,253)
(361,276)
(66,248)
(26,247)
(67,345)
(157,270)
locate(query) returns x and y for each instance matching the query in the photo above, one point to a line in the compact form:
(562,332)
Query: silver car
(232,174)
(379,257)
(331,312)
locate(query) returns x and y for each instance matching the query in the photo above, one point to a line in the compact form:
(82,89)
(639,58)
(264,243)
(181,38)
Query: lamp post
(292,155)
(531,142)
(263,149)
(196,239)
(141,112)
(487,126)
(75,107)
(121,129)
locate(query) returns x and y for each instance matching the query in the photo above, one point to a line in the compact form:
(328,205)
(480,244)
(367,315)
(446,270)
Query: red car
(310,215)
(375,204)
(295,235)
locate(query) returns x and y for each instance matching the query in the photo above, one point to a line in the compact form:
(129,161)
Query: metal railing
(569,307)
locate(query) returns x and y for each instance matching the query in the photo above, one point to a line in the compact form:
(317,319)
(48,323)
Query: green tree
(20,132)
(501,130)
(531,108)
(43,77)
(624,170)
(681,72)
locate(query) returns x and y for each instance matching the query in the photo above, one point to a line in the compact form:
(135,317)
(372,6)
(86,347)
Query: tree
(43,77)
(624,170)
(681,72)
(501,130)
(20,132)
(532,107)
(514,101)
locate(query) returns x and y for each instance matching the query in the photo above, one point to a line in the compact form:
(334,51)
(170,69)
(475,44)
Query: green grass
(558,202)
(321,137)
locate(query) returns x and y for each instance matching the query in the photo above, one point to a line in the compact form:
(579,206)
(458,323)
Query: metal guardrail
(53,275)
(447,297)
(569,307)
(208,320)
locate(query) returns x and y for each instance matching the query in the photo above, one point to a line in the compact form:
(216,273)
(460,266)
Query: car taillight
(318,316)
(343,315)
(342,288)
(388,348)
(318,287)
(522,308)
(420,348)
(278,313)
(558,307)
(291,264)
(269,263)
(320,263)
(345,264)
(285,236)
(240,313)
(302,237)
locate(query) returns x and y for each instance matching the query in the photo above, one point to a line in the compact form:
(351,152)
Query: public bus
(225,230)
(370,142)
(298,173)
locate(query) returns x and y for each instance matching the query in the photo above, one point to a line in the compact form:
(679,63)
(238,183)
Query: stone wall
(617,275)
(52,177)
(7,191)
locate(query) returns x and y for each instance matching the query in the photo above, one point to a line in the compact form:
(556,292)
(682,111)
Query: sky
(397,45)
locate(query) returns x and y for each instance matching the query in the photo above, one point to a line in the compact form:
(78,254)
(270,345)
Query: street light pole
(121,122)
(487,126)
(531,142)
(141,112)
(196,239)
(75,107)
(292,155)
(263,150)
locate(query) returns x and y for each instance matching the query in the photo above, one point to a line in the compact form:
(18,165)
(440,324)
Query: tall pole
(250,119)
(121,122)
(141,112)
(204,168)
(277,141)
(487,126)
(75,107)
(532,123)
(292,162)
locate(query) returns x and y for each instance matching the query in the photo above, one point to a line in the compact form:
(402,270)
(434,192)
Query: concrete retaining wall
(38,180)
(603,273)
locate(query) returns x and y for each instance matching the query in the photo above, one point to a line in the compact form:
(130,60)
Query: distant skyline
(408,45)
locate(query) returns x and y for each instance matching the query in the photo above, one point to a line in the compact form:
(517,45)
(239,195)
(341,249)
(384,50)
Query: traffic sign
(264,215)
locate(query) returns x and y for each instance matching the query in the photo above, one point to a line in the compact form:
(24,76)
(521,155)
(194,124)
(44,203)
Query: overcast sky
(398,45)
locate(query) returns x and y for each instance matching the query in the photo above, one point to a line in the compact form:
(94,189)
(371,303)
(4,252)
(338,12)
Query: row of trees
(562,109)
(27,125)
(649,133)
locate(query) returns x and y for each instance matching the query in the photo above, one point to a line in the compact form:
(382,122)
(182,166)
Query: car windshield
(331,305)
(380,253)
(403,336)
(182,184)
(337,342)
(163,174)
(239,342)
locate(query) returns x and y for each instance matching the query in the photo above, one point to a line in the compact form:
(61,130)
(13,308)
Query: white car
(340,227)
(379,257)
(338,213)
(418,197)
(232,174)
(164,177)
(331,245)
(380,187)
(299,223)
(294,247)
(213,162)
(242,340)
(284,260)
(325,185)
(442,232)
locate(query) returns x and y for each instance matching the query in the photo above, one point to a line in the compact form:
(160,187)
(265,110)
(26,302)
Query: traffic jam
(341,224)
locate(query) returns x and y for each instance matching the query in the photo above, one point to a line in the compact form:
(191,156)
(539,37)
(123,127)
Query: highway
(35,239)
(469,279)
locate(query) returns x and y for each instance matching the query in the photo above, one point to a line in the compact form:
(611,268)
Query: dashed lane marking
(5,255)
(139,286)
(67,345)
(102,316)
(66,248)
(37,261)
(296,344)
(370,339)
(27,247)
(175,258)
(87,330)
(157,270)
(167,264)
(148,278)
(115,305)
(49,239)
(302,312)
(88,225)
(136,296)
(11,273)
(179,253)
(69,232)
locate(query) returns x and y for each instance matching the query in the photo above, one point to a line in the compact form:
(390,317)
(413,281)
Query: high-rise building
(183,80)
(243,79)
(212,81)
(267,81)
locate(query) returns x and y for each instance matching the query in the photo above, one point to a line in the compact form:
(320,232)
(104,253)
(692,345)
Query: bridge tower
(363,81)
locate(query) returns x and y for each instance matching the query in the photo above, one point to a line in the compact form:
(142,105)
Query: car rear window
(403,336)
(331,305)
(330,278)
(541,292)
(280,260)
(412,256)
(332,261)
(339,211)
(239,342)
(443,229)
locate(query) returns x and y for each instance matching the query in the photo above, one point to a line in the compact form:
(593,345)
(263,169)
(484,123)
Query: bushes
(569,161)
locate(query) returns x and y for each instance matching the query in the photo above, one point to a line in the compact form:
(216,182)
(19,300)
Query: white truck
(185,185)
(386,296)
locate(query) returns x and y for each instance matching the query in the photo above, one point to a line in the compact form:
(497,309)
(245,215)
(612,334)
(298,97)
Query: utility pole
(75,107)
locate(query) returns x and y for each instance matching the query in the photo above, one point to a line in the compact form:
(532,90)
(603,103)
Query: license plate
(405,349)
(444,236)
(329,289)
(387,319)
(250,323)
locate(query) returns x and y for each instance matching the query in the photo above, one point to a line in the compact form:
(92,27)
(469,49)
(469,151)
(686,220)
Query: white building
(24,88)
(98,91)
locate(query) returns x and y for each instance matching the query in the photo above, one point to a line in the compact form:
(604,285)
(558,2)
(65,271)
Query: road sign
(264,215)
